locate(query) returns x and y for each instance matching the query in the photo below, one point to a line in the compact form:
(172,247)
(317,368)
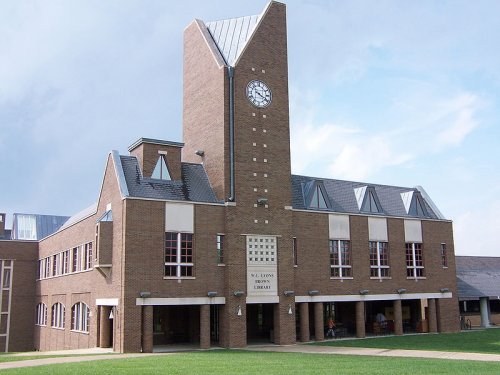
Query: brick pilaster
(304,322)
(204,326)
(147,329)
(319,331)
(398,317)
(431,303)
(360,319)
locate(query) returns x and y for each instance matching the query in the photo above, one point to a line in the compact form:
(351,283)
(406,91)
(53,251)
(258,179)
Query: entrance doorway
(176,325)
(260,322)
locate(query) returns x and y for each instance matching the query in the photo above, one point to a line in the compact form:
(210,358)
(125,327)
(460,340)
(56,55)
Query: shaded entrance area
(176,325)
(260,323)
(105,328)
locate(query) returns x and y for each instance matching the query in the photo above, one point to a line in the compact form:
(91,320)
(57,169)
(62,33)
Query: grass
(486,341)
(222,362)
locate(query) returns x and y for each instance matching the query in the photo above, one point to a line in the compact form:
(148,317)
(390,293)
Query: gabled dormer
(158,159)
(315,195)
(367,200)
(414,203)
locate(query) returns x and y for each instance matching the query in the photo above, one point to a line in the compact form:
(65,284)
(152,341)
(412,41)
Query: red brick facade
(212,306)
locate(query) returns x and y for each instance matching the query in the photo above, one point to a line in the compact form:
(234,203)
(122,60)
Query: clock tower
(236,122)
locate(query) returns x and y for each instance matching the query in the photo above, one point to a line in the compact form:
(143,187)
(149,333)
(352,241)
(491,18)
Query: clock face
(259,94)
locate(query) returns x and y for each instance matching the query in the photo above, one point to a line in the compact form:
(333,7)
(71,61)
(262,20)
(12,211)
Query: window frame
(340,262)
(220,241)
(80,317)
(376,263)
(41,315)
(58,316)
(182,252)
(444,255)
(415,266)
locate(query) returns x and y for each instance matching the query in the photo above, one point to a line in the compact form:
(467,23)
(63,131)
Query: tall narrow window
(47,267)
(444,256)
(41,314)
(220,249)
(80,316)
(87,258)
(75,256)
(161,171)
(179,260)
(379,259)
(414,260)
(65,262)
(294,249)
(340,259)
(57,317)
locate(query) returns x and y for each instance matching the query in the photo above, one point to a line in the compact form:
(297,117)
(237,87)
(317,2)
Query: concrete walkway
(299,348)
(85,355)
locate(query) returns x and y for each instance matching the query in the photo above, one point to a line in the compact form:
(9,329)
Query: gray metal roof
(45,225)
(193,187)
(342,197)
(478,277)
(232,35)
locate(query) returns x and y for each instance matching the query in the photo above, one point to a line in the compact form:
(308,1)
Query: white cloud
(476,231)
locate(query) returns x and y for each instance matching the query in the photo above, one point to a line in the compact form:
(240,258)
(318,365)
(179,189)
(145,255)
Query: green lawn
(486,341)
(264,363)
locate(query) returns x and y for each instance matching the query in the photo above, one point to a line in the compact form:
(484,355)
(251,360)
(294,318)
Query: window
(41,314)
(220,249)
(80,314)
(26,227)
(40,269)
(340,259)
(47,267)
(179,255)
(65,262)
(379,259)
(294,249)
(444,256)
(414,260)
(161,171)
(6,278)
(87,260)
(55,264)
(57,317)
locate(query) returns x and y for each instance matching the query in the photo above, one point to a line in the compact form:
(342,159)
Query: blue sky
(394,92)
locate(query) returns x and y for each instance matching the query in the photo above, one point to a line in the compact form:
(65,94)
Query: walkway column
(304,322)
(204,326)
(147,329)
(104,327)
(360,319)
(485,311)
(431,305)
(398,317)
(319,331)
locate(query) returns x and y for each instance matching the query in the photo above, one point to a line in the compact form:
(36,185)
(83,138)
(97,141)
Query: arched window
(41,314)
(80,314)
(58,315)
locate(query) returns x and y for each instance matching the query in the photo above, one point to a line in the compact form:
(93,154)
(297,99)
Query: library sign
(262,281)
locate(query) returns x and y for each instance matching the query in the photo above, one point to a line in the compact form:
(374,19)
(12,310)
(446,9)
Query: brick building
(214,241)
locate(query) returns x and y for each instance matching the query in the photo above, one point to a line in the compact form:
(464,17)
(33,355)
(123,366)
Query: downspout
(230,71)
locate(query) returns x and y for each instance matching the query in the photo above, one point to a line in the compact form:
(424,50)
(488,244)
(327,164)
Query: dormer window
(161,171)
(367,199)
(414,204)
(315,195)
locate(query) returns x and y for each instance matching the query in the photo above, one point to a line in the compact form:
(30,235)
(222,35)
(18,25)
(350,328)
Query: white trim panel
(377,229)
(106,301)
(371,297)
(413,231)
(179,217)
(263,299)
(180,301)
(338,226)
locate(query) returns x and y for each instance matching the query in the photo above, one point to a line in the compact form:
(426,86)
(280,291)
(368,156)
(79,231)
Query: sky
(392,92)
